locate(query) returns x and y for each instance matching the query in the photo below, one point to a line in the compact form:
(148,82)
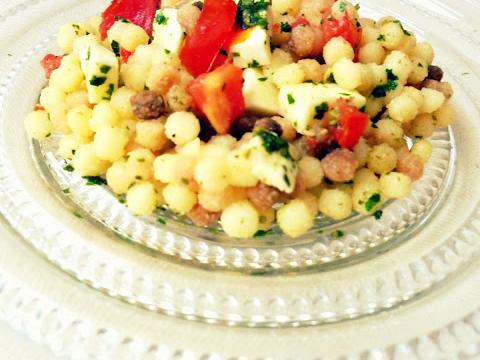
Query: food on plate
(247,113)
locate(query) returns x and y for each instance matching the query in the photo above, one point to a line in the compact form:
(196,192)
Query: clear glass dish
(378,264)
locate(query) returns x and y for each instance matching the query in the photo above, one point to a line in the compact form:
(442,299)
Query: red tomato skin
(352,124)
(140,13)
(125,55)
(49,63)
(345,27)
(218,95)
(212,30)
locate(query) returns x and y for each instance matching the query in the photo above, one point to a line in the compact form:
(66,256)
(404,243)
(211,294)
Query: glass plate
(379,264)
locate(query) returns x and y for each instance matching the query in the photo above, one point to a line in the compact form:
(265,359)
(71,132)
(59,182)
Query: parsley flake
(115,47)
(372,201)
(97,80)
(320,110)
(161,19)
(378,214)
(104,69)
(254,64)
(285,27)
(68,168)
(95,180)
(291,99)
(262,233)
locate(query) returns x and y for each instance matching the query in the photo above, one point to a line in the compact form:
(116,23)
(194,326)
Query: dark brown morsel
(263,196)
(340,165)
(435,73)
(202,217)
(243,125)
(147,105)
(269,124)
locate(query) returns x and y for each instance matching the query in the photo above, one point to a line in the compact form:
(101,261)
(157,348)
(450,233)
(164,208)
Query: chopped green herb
(68,168)
(273,143)
(320,110)
(235,54)
(337,234)
(345,94)
(372,201)
(285,27)
(262,79)
(119,18)
(104,69)
(252,13)
(378,214)
(223,52)
(161,221)
(161,19)
(89,52)
(95,180)
(97,80)
(381,37)
(66,191)
(77,28)
(342,7)
(76,214)
(167,51)
(254,64)
(286,179)
(363,108)
(291,99)
(408,33)
(109,92)
(331,78)
(115,47)
(381,90)
(357,6)
(262,233)
(420,65)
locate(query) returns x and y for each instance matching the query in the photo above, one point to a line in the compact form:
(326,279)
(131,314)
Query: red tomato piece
(299,22)
(140,13)
(212,30)
(39,108)
(218,95)
(49,63)
(351,124)
(345,27)
(220,60)
(125,55)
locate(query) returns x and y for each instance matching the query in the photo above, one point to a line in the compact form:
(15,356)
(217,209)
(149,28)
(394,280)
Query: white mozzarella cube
(251,48)
(167,31)
(260,93)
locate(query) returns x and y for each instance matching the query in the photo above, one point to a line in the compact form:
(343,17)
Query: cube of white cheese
(100,67)
(275,168)
(167,31)
(298,102)
(260,93)
(251,48)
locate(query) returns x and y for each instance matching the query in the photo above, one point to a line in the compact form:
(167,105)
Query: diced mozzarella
(167,31)
(270,168)
(252,48)
(100,67)
(260,93)
(298,102)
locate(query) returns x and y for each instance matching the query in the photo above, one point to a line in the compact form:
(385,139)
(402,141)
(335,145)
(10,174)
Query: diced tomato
(220,60)
(138,12)
(299,21)
(218,95)
(39,108)
(212,30)
(49,63)
(345,27)
(351,124)
(125,55)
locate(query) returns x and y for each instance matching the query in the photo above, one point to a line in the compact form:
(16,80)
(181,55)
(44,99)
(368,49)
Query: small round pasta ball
(239,170)
(266,219)
(444,116)
(335,204)
(424,51)
(225,141)
(363,176)
(51,97)
(395,185)
(312,171)
(422,149)
(68,33)
(110,143)
(165,168)
(211,174)
(372,52)
(140,164)
(403,108)
(119,178)
(87,163)
(311,201)
(312,69)
(419,72)
(385,19)
(182,127)
(142,199)
(432,100)
(129,36)
(77,98)
(408,44)
(366,197)
(342,7)
(103,115)
(400,64)
(121,102)
(67,146)
(382,159)
(391,35)
(288,131)
(347,74)
(69,75)
(179,197)
(369,34)
(151,134)
(58,117)
(366,22)
(240,219)
(178,98)
(415,94)
(216,201)
(279,58)
(295,218)
(374,106)
(290,74)
(379,74)
(367,84)
(422,126)
(336,49)
(78,120)
(192,149)
(361,151)
(38,125)
(390,132)
(394,93)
